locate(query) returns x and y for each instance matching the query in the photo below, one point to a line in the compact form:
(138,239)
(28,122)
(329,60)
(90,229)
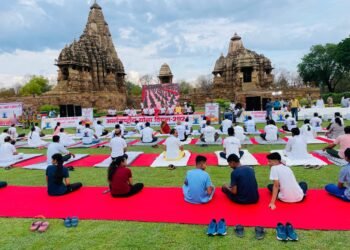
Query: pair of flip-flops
(71,221)
(259,232)
(317,167)
(39,226)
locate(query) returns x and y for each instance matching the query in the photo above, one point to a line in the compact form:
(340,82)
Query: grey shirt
(344,177)
(335,130)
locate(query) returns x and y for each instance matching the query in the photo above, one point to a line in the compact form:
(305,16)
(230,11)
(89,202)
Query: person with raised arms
(173,148)
(197,187)
(57,148)
(120,179)
(232,145)
(270,131)
(243,188)
(56,173)
(147,134)
(342,189)
(285,186)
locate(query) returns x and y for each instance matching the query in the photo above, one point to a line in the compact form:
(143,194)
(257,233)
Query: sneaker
(259,233)
(281,232)
(68,222)
(239,231)
(74,221)
(212,228)
(291,234)
(222,230)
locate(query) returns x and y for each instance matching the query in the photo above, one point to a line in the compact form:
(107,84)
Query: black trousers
(186,136)
(3,184)
(223,155)
(114,158)
(73,187)
(136,188)
(66,157)
(263,136)
(302,184)
(235,199)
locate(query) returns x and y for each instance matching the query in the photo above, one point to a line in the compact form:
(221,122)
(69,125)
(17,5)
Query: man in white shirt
(203,124)
(56,148)
(285,187)
(122,128)
(147,134)
(232,106)
(65,139)
(8,151)
(225,124)
(118,146)
(162,110)
(249,125)
(38,130)
(79,130)
(209,134)
(34,139)
(151,111)
(181,131)
(232,145)
(139,126)
(320,103)
(3,135)
(173,147)
(100,129)
(189,110)
(89,137)
(145,111)
(271,131)
(239,133)
(316,123)
(296,147)
(126,112)
(289,123)
(13,132)
(188,126)
(170,110)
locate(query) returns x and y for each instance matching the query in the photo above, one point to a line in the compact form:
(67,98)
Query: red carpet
(144,160)
(212,160)
(324,139)
(89,161)
(261,158)
(133,142)
(253,140)
(319,211)
(194,141)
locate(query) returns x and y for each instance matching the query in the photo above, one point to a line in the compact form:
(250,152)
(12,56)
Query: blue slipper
(74,221)
(68,222)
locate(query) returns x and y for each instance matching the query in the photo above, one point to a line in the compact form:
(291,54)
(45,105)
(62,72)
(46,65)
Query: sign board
(68,122)
(9,112)
(212,112)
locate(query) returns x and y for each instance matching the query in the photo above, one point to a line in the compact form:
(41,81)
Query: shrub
(47,108)
(223,103)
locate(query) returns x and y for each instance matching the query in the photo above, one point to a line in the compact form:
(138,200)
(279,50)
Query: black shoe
(239,231)
(259,233)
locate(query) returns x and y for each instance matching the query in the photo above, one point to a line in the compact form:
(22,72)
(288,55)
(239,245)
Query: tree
(7,92)
(37,85)
(343,53)
(320,67)
(205,83)
(133,89)
(185,87)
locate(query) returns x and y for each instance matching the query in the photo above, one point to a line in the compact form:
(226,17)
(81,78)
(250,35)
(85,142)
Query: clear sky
(187,34)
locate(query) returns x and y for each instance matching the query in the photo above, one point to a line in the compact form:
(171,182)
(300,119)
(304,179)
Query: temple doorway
(253,103)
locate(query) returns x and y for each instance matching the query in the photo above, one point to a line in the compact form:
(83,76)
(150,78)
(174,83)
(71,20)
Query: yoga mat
(89,161)
(90,145)
(312,141)
(319,211)
(32,161)
(254,141)
(325,139)
(259,140)
(332,159)
(160,161)
(140,143)
(144,160)
(247,141)
(217,142)
(261,158)
(43,165)
(194,141)
(131,157)
(212,160)
(25,157)
(247,159)
(312,161)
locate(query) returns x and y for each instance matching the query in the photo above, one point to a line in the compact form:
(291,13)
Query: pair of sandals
(259,232)
(317,167)
(71,222)
(39,226)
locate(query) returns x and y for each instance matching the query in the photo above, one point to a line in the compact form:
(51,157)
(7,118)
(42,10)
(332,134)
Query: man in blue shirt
(243,188)
(197,187)
(268,107)
(342,190)
(277,105)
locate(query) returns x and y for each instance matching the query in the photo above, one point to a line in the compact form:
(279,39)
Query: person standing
(294,108)
(320,103)
(268,108)
(243,188)
(277,105)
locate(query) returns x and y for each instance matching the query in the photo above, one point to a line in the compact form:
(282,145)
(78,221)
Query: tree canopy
(37,85)
(343,53)
(133,89)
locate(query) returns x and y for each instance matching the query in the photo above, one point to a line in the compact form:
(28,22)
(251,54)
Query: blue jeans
(294,112)
(336,191)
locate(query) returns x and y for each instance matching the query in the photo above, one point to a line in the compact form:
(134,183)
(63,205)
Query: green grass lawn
(14,233)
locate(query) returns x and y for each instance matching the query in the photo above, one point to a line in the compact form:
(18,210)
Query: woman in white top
(34,139)
(336,129)
(173,147)
(79,130)
(296,147)
(307,130)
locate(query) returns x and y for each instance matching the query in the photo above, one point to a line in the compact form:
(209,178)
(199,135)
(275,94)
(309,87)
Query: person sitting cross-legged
(173,148)
(118,145)
(232,145)
(270,131)
(250,125)
(181,130)
(289,123)
(89,137)
(57,148)
(8,151)
(198,188)
(296,147)
(147,134)
(120,179)
(285,187)
(209,133)
(343,141)
(243,188)
(56,173)
(342,190)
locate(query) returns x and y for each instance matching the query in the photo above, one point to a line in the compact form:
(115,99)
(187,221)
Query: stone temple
(90,72)
(165,74)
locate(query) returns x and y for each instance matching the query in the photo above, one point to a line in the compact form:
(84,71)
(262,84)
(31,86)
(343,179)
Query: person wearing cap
(243,188)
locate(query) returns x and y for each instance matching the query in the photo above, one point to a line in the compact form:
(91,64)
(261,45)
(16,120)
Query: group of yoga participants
(197,187)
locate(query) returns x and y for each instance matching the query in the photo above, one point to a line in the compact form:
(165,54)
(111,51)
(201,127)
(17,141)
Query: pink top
(57,131)
(344,142)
